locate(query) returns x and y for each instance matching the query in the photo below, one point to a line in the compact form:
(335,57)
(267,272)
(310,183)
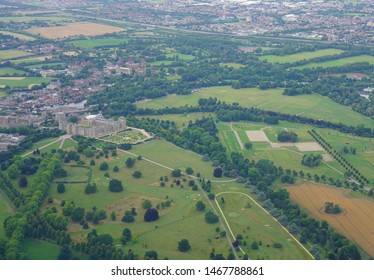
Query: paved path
(255,202)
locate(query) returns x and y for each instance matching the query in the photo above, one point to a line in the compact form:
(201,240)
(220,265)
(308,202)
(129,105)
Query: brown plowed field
(74,29)
(357,221)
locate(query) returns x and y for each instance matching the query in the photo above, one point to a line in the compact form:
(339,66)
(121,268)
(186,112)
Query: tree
(77,214)
(189,170)
(287,136)
(200,206)
(137,174)
(22,182)
(13,172)
(65,253)
(146,204)
(130,162)
(217,172)
(254,245)
(127,234)
(151,215)
(176,173)
(60,188)
(150,255)
(92,162)
(73,119)
(248,145)
(104,166)
(211,218)
(115,168)
(184,245)
(113,216)
(115,186)
(128,218)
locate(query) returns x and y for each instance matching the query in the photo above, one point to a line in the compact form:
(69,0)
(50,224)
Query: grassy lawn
(311,105)
(40,144)
(9,54)
(174,157)
(18,35)
(340,62)
(23,82)
(256,225)
(299,56)
(69,144)
(6,210)
(179,56)
(94,43)
(10,71)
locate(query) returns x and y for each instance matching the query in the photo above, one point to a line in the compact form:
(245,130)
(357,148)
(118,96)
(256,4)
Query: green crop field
(10,71)
(256,225)
(32,59)
(6,210)
(299,56)
(23,82)
(310,105)
(18,35)
(340,62)
(10,54)
(95,43)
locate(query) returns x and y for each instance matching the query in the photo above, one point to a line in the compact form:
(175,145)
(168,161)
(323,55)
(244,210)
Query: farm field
(22,82)
(8,71)
(312,105)
(340,62)
(74,29)
(299,56)
(10,54)
(287,157)
(94,43)
(255,225)
(355,222)
(18,35)
(32,18)
(31,59)
(6,210)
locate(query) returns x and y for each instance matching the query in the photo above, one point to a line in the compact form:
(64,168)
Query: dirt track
(356,223)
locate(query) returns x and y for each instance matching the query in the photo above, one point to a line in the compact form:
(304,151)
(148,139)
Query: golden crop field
(74,29)
(356,222)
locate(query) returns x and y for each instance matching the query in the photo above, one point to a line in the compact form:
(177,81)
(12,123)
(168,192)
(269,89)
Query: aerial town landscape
(233,129)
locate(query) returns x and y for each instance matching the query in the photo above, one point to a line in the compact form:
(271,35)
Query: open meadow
(74,29)
(340,62)
(18,35)
(309,105)
(96,43)
(8,71)
(356,222)
(22,82)
(11,54)
(299,56)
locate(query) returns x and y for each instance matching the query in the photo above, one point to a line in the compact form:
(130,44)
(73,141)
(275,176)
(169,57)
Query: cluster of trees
(287,136)
(311,160)
(331,208)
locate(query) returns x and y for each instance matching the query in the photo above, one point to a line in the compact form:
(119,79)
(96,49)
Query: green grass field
(10,71)
(32,59)
(18,35)
(10,54)
(40,145)
(6,210)
(311,105)
(299,56)
(255,225)
(23,82)
(339,62)
(95,43)
(179,56)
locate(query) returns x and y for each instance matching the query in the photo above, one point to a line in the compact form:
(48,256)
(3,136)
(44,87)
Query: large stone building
(18,121)
(90,126)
